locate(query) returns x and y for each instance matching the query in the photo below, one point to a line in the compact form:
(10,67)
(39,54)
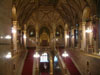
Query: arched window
(31,33)
(55,59)
(44,57)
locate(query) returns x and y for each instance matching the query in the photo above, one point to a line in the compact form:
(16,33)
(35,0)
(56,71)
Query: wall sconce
(88,30)
(67,36)
(8,56)
(24,37)
(1,37)
(56,39)
(14,30)
(8,37)
(36,55)
(65,54)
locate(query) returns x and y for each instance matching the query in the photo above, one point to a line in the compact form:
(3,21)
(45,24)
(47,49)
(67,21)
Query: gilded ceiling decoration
(71,11)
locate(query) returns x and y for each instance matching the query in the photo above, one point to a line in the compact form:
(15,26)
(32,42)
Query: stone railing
(62,65)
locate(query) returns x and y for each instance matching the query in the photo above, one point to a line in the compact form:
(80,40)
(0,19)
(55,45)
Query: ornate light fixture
(88,30)
(65,54)
(14,30)
(36,55)
(8,37)
(56,39)
(67,36)
(24,36)
(1,37)
(8,56)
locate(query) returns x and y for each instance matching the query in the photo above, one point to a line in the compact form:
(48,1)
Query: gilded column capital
(66,26)
(15,23)
(83,23)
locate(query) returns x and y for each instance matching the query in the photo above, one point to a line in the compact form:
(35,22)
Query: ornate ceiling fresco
(53,11)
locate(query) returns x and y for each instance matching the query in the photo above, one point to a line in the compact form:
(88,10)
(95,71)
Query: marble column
(79,36)
(37,66)
(83,42)
(14,35)
(37,49)
(66,37)
(89,37)
(51,65)
(72,38)
(52,39)
(99,35)
(54,36)
(91,33)
(37,37)
(24,36)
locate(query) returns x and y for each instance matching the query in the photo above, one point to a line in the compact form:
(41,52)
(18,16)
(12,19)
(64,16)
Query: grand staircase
(70,66)
(28,64)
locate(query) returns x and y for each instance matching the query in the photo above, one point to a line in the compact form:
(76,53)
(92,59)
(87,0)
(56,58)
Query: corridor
(49,37)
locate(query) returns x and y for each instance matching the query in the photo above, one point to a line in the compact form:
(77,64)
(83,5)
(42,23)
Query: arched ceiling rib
(70,10)
(47,17)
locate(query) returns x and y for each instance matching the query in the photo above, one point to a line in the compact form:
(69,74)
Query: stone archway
(84,36)
(44,35)
(86,14)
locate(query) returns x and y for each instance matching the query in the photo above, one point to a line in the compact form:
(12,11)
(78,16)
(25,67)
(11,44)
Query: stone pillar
(24,36)
(83,42)
(89,37)
(54,36)
(52,39)
(14,35)
(90,34)
(22,41)
(99,34)
(66,38)
(79,36)
(37,37)
(65,32)
(37,49)
(51,65)
(95,36)
(72,38)
(37,66)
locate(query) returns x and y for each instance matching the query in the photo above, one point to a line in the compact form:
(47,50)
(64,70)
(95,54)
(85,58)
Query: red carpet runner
(28,64)
(71,67)
(44,73)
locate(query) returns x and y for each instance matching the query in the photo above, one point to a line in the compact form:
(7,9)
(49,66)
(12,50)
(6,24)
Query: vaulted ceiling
(70,11)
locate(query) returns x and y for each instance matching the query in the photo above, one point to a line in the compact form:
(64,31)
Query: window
(44,57)
(32,33)
(55,59)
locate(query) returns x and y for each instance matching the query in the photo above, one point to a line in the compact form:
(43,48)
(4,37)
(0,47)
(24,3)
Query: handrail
(62,65)
(23,62)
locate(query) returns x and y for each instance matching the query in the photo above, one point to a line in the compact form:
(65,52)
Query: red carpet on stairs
(71,67)
(44,73)
(28,64)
